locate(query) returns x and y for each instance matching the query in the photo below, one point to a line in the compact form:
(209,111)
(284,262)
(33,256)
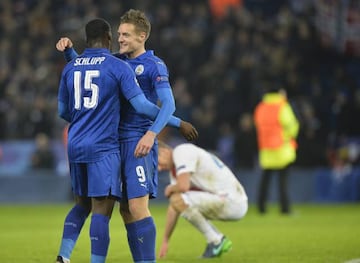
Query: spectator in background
(220,8)
(245,142)
(43,157)
(1,153)
(277,128)
(62,166)
(65,136)
(225,145)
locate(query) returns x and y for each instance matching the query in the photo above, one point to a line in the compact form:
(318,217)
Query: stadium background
(219,61)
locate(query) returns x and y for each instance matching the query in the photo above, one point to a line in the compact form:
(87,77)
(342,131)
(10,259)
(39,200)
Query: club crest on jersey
(139,69)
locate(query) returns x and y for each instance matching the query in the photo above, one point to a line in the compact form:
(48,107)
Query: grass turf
(321,233)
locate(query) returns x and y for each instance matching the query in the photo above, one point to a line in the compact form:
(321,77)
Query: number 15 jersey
(91,86)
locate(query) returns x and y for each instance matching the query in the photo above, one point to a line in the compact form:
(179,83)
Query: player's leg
(139,178)
(76,217)
(283,195)
(135,209)
(197,207)
(99,227)
(104,188)
(140,227)
(188,205)
(263,190)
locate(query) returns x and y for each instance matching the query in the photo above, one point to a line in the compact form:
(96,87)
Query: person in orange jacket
(277,128)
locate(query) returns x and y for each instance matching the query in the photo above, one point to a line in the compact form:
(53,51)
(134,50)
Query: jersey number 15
(88,102)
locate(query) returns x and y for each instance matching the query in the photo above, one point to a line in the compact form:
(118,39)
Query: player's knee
(124,210)
(177,202)
(139,209)
(84,202)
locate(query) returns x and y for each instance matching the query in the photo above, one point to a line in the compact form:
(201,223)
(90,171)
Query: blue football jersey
(92,86)
(151,74)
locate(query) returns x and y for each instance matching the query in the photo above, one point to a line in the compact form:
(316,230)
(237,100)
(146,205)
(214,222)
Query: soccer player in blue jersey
(139,170)
(93,88)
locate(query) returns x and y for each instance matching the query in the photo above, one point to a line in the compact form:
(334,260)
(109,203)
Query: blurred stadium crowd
(219,63)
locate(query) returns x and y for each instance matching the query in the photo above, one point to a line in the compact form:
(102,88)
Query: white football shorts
(216,206)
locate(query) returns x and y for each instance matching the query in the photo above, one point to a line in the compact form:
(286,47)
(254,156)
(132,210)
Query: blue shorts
(95,179)
(139,176)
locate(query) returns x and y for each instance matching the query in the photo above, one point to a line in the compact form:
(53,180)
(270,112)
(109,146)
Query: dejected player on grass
(202,189)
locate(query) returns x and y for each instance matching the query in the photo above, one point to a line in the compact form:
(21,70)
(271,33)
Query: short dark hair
(138,19)
(97,29)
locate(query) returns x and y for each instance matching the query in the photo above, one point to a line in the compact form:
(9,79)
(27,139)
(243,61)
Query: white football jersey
(208,172)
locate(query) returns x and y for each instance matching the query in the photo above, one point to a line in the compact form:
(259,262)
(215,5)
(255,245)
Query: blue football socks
(100,237)
(141,237)
(73,224)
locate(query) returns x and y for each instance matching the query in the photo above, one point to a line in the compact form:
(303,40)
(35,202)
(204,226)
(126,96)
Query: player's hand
(145,144)
(168,190)
(188,131)
(163,249)
(63,44)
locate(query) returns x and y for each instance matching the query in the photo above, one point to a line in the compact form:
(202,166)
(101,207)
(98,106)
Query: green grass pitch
(321,233)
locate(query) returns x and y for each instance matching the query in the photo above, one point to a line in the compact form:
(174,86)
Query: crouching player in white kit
(202,188)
